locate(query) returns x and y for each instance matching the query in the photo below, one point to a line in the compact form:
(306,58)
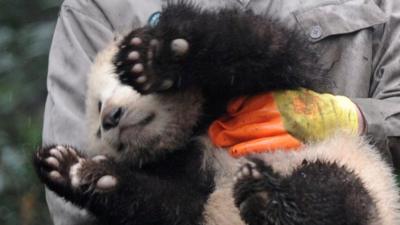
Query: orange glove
(282,120)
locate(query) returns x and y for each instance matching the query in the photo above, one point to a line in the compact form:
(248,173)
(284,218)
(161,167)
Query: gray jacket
(359,40)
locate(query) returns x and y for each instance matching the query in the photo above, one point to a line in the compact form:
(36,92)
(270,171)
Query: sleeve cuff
(374,117)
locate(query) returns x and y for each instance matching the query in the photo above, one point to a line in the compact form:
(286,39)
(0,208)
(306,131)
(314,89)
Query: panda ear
(180,46)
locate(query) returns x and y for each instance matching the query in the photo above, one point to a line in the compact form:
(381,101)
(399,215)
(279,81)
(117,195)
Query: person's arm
(382,110)
(77,38)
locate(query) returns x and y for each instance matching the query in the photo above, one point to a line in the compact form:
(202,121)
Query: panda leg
(262,196)
(73,176)
(315,193)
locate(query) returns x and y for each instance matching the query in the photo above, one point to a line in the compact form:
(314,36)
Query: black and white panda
(150,160)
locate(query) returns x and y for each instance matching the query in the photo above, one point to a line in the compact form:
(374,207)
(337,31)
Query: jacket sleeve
(84,27)
(77,39)
(382,110)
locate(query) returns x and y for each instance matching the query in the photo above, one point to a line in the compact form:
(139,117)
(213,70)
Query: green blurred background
(26,28)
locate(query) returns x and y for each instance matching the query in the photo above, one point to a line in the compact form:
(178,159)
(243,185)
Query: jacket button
(315,32)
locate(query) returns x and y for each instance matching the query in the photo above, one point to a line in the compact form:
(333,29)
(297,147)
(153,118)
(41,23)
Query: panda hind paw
(253,190)
(248,181)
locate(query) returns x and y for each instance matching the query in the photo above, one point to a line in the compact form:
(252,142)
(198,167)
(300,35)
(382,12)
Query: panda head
(127,125)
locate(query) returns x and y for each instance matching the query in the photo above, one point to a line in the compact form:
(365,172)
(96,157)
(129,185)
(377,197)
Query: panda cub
(151,97)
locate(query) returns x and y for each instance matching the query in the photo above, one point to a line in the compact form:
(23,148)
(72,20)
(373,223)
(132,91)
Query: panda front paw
(54,163)
(68,173)
(147,63)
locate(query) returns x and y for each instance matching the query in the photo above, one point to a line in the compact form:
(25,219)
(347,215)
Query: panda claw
(63,151)
(99,158)
(252,164)
(55,153)
(73,152)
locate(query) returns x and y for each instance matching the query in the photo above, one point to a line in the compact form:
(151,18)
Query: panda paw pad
(138,59)
(53,163)
(64,169)
(92,175)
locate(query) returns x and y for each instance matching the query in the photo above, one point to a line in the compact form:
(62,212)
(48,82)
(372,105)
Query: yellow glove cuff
(311,116)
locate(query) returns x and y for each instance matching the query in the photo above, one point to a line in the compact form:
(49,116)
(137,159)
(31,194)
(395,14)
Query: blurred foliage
(26,28)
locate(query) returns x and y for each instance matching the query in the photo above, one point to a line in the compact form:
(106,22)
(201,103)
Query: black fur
(231,53)
(316,193)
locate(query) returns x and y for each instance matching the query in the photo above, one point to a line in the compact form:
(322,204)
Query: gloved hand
(282,120)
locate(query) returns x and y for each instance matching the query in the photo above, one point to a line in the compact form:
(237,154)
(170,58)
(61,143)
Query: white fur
(220,208)
(74,175)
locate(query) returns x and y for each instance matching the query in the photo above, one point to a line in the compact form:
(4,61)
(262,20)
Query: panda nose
(111,117)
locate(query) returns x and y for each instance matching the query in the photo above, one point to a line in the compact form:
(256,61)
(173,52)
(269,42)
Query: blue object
(154,18)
